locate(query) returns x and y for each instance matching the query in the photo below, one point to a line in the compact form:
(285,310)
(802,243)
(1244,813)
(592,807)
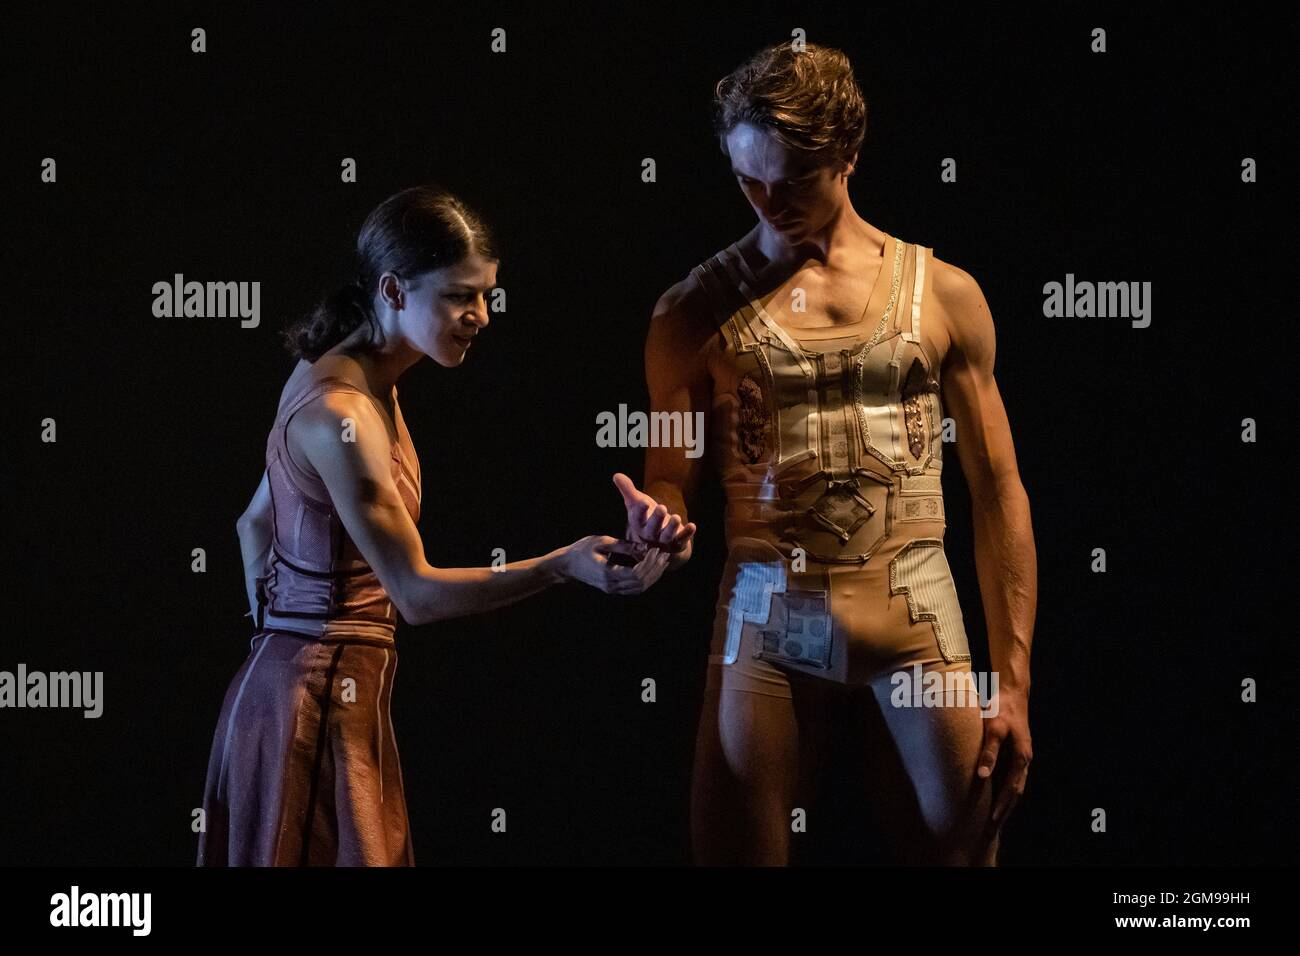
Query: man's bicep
(970,391)
(355,464)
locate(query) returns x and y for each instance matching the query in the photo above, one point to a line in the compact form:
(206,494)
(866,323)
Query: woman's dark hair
(411,232)
(808,99)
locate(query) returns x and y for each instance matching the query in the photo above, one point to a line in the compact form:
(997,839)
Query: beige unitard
(829,445)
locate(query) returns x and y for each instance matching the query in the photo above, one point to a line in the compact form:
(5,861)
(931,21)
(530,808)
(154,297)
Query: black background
(1122,166)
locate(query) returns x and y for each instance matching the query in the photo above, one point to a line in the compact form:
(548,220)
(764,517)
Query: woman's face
(444,309)
(793,196)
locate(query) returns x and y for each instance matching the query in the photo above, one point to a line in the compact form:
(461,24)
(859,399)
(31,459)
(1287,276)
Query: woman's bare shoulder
(306,373)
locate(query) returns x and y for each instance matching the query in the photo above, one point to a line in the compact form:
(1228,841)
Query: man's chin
(448,360)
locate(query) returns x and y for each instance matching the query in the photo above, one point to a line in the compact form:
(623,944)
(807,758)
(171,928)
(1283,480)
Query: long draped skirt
(304,769)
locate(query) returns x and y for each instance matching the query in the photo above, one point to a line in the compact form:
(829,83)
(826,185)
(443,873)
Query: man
(815,344)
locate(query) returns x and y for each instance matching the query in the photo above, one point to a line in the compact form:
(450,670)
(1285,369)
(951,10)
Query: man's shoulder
(951,283)
(959,304)
(703,298)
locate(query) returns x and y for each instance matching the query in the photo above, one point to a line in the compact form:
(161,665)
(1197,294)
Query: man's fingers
(654,522)
(1013,784)
(627,489)
(1005,806)
(1000,804)
(639,505)
(683,535)
(1008,797)
(989,755)
(670,529)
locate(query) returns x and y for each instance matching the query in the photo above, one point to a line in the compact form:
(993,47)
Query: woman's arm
(254,545)
(254,529)
(356,473)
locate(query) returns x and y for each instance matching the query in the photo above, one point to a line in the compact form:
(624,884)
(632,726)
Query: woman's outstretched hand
(650,522)
(613,565)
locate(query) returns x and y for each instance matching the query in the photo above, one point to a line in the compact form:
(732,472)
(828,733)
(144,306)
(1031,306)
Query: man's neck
(844,228)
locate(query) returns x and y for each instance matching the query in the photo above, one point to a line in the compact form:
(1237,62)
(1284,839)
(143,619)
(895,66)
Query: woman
(304,768)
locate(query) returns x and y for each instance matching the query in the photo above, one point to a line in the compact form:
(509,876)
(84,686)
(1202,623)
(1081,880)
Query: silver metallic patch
(799,630)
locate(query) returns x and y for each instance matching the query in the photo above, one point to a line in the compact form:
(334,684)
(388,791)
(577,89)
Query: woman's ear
(391,291)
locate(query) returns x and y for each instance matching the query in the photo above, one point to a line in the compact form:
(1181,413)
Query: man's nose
(772,204)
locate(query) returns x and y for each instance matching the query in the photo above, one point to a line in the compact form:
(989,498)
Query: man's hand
(1007,745)
(649,522)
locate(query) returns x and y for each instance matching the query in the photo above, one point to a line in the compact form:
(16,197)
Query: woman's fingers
(634,580)
(655,567)
(651,569)
(630,567)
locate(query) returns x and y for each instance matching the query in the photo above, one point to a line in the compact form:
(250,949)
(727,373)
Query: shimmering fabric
(304,768)
(316,582)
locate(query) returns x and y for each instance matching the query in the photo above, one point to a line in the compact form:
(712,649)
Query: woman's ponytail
(333,319)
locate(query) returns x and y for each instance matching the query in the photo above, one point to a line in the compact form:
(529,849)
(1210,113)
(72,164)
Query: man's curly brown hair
(808,99)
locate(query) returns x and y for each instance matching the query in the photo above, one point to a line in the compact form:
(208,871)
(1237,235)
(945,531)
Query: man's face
(793,195)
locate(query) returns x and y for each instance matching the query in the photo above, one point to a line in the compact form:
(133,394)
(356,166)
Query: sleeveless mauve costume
(304,768)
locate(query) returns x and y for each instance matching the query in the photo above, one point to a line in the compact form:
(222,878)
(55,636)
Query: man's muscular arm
(1004,540)
(677,377)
